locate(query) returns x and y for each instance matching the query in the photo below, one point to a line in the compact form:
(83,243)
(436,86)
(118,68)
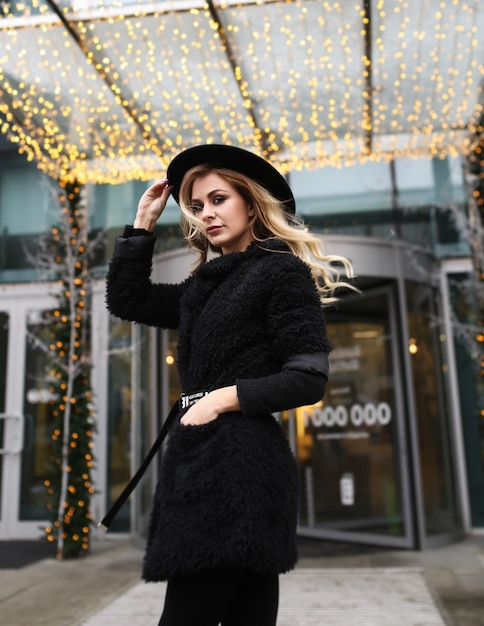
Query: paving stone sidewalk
(344,586)
(311,597)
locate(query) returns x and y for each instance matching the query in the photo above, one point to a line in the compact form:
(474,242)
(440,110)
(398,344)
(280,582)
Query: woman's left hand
(211,406)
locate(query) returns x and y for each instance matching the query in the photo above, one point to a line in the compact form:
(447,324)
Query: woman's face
(224,212)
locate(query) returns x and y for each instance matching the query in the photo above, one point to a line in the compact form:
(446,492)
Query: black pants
(228,597)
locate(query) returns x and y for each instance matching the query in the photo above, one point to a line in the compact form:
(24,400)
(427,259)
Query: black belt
(184,402)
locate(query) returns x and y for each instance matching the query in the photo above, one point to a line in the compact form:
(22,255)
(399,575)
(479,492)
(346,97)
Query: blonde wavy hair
(270,221)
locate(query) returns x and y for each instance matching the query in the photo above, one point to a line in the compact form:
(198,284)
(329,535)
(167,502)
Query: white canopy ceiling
(111,90)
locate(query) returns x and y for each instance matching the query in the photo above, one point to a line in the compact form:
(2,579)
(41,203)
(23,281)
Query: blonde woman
(252,341)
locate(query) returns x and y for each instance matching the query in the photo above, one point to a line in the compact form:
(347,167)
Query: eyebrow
(210,194)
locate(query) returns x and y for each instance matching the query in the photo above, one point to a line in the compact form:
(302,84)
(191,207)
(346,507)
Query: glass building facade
(394,455)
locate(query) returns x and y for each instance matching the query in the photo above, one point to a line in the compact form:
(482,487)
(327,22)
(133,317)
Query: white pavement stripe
(310,597)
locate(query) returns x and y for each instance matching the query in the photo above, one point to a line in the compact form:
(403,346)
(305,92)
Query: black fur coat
(227,495)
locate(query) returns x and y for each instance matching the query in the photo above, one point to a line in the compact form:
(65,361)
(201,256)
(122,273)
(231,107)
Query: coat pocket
(195,457)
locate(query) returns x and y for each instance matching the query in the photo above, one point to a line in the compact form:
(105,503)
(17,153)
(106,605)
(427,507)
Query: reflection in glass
(431,407)
(347,445)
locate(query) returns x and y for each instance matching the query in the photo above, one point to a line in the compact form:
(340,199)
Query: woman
(252,341)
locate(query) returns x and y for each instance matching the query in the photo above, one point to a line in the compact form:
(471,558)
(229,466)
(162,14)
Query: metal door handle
(17,436)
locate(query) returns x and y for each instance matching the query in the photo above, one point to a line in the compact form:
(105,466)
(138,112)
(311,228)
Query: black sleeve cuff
(314,363)
(131,231)
(136,243)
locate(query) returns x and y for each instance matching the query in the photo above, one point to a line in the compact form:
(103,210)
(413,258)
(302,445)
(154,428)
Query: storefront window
(110,207)
(411,199)
(468,352)
(436,468)
(363,199)
(22,186)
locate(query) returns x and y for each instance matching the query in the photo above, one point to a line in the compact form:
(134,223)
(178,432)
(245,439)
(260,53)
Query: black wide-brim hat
(231,158)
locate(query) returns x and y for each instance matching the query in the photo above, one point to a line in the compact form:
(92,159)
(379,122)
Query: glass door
(130,398)
(24,413)
(351,447)
(439,510)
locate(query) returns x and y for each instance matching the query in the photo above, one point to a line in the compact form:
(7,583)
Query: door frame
(17,301)
(449,267)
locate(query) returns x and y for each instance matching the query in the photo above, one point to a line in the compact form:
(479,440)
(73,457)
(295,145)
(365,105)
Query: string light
(109,91)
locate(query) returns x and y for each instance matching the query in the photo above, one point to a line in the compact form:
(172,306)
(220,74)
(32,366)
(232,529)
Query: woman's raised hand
(152,204)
